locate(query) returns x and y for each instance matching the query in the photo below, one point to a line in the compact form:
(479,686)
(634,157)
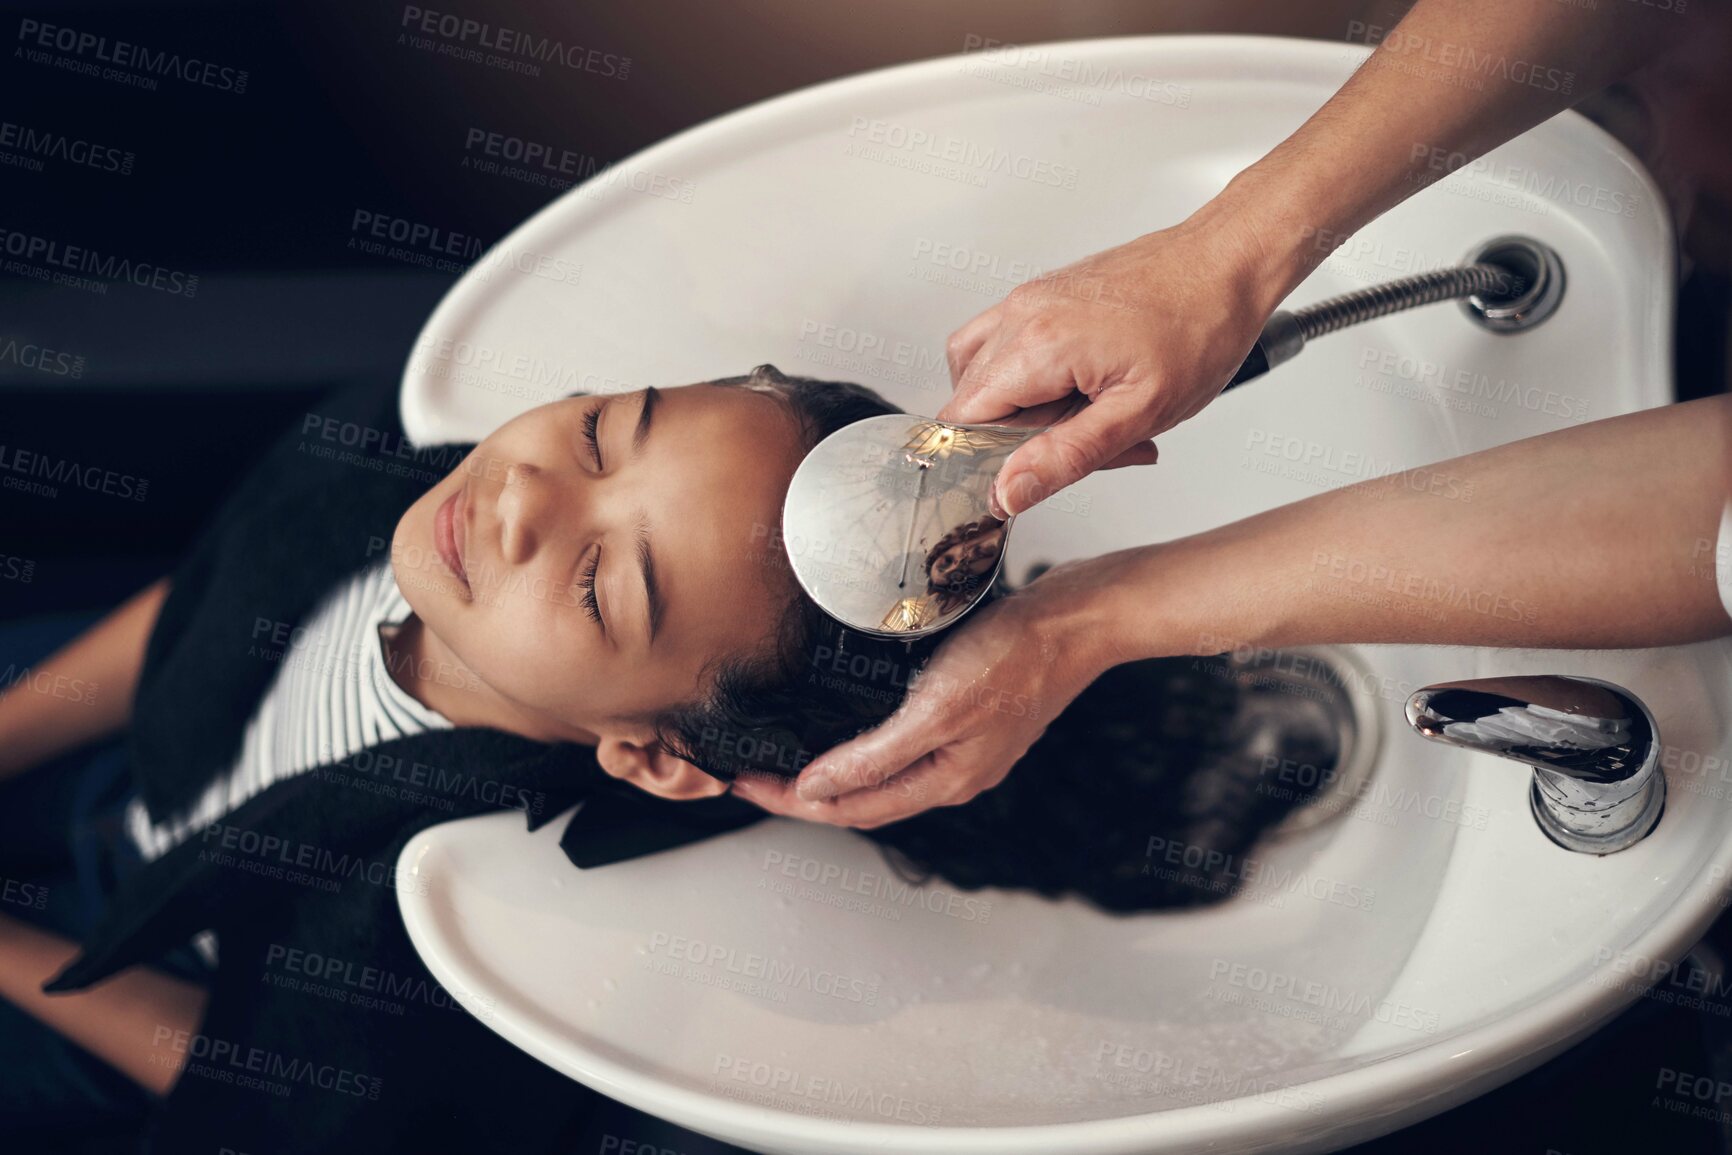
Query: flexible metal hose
(1394,296)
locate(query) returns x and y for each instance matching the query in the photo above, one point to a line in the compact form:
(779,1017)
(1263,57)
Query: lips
(450,534)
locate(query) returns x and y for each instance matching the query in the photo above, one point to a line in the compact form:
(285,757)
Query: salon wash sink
(777,988)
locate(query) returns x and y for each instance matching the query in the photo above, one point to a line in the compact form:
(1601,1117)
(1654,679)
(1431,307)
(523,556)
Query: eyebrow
(645,559)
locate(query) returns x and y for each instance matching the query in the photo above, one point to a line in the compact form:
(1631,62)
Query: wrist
(1115,609)
(1185,598)
(1071,608)
(1285,227)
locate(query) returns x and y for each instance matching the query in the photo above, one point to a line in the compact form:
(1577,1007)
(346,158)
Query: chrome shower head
(886,522)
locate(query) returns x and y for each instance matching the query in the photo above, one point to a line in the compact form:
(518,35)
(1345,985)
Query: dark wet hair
(1145,792)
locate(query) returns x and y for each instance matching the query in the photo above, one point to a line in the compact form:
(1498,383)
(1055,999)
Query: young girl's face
(577,574)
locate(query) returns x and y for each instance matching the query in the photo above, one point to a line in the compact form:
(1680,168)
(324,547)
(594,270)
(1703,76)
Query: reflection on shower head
(957,566)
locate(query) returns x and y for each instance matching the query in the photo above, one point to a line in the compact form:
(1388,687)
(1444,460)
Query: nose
(528,500)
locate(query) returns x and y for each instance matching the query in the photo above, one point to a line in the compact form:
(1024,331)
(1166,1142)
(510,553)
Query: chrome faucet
(1593,746)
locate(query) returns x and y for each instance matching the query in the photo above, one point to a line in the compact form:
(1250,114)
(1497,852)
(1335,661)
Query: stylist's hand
(986,695)
(1140,337)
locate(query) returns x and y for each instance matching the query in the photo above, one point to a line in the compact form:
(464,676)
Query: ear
(649,767)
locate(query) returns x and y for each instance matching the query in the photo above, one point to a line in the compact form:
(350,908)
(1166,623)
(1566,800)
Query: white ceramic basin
(773,988)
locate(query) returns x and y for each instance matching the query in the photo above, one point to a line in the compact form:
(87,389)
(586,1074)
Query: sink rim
(1500,1051)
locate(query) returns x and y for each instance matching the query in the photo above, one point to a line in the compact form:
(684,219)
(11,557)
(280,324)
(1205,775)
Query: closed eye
(587,584)
(591,424)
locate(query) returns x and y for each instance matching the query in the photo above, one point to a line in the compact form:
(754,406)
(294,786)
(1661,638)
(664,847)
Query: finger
(963,344)
(875,756)
(862,809)
(1069,451)
(1142,453)
(1047,412)
(930,783)
(907,794)
(1005,378)
(971,379)
(776,796)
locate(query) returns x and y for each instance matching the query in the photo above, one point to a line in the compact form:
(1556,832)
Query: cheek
(408,524)
(526,653)
(404,548)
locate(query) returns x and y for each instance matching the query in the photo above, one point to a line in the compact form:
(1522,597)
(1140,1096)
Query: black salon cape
(322,504)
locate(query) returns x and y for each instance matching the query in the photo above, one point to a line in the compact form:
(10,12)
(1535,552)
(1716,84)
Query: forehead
(718,462)
(749,412)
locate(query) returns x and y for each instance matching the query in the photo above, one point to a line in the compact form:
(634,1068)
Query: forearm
(127,1021)
(1454,79)
(83,691)
(1602,535)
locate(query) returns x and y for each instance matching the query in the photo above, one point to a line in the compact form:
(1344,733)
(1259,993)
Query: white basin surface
(781,988)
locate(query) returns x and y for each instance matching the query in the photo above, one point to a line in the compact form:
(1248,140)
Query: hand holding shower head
(886,521)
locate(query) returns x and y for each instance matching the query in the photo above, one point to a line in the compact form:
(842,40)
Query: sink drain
(1320,687)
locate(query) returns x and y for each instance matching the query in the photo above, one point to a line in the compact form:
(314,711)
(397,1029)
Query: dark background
(255,193)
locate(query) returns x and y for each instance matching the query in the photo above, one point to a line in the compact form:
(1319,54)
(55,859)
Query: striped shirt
(332,697)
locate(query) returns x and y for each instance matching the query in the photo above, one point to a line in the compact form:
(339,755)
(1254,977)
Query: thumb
(1066,453)
(871,759)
